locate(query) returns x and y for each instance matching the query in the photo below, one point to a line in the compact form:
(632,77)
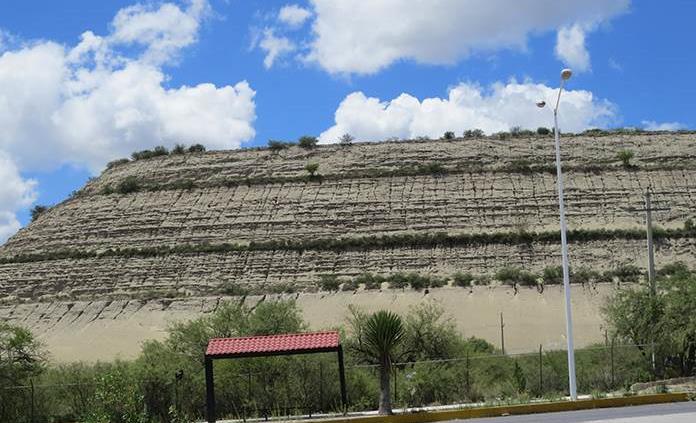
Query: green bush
(463,279)
(349,285)
(627,273)
(432,168)
(677,269)
(516,276)
(553,275)
(398,281)
(329,283)
(312,168)
(277,145)
(196,148)
(148,154)
(370,281)
(37,211)
(128,185)
(233,289)
(473,133)
(179,149)
(543,131)
(117,162)
(449,135)
(307,142)
(689,225)
(625,156)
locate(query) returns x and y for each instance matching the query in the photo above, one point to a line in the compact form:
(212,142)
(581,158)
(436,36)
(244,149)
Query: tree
(276,146)
(37,211)
(307,142)
(449,135)
(312,168)
(21,359)
(346,139)
(543,131)
(196,148)
(378,336)
(665,319)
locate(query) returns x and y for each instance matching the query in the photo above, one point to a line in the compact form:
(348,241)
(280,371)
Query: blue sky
(375,69)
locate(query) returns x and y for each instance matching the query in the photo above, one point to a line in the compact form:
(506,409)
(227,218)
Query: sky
(84,82)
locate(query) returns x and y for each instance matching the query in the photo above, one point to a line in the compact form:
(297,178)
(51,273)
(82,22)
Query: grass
(421,240)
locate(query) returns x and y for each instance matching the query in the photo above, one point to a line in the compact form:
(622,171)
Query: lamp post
(565,75)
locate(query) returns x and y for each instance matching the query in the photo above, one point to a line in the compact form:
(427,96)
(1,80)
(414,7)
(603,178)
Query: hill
(166,232)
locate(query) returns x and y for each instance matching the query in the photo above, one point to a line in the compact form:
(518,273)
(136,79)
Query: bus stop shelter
(266,346)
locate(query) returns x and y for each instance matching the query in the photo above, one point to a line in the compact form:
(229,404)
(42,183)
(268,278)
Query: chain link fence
(265,388)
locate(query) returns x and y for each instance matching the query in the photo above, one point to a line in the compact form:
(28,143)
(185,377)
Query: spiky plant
(381,335)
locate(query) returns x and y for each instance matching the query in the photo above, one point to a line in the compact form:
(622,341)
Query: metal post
(321,386)
(33,411)
(611,354)
(651,253)
(468,377)
(209,390)
(342,378)
(564,252)
(502,333)
(541,376)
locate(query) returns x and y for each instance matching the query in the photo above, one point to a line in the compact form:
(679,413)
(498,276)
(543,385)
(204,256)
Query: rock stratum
(120,262)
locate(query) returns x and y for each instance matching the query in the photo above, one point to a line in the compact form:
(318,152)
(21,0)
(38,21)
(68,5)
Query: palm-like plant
(378,337)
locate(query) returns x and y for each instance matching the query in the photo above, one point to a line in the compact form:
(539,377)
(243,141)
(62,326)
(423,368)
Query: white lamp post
(565,75)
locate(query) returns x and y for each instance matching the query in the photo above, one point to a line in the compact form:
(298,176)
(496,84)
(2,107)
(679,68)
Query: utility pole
(648,209)
(651,252)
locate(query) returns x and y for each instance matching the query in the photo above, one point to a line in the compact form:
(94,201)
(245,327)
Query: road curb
(547,407)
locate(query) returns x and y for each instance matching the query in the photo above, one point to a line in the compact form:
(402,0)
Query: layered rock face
(208,224)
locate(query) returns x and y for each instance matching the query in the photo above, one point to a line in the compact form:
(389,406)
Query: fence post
(541,373)
(611,355)
(396,388)
(31,384)
(321,386)
(468,381)
(502,333)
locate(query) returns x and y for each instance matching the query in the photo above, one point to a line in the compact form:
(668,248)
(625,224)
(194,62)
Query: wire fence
(302,386)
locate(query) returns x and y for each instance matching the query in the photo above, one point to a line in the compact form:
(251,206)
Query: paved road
(684,412)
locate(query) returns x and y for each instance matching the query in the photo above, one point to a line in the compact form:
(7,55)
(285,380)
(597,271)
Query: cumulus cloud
(571,49)
(274,47)
(108,95)
(365,36)
(15,194)
(293,15)
(467,106)
(651,125)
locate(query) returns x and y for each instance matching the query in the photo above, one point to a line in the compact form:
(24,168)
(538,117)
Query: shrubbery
(37,211)
(307,142)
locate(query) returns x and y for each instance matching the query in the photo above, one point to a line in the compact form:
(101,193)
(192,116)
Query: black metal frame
(210,383)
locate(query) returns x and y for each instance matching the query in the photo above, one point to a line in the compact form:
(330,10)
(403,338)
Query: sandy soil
(531,318)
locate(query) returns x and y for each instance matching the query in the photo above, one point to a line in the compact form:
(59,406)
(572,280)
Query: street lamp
(565,75)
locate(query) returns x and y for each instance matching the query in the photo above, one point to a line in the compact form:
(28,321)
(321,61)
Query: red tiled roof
(273,343)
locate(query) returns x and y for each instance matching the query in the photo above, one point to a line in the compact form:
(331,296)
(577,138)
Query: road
(684,412)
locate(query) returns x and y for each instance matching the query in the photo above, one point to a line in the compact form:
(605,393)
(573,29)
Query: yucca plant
(379,335)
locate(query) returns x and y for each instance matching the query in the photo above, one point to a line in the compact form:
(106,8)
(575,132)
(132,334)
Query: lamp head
(541,104)
(566,74)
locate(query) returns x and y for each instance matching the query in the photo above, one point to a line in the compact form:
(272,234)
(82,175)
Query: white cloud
(365,36)
(651,125)
(293,15)
(274,47)
(164,31)
(108,96)
(468,106)
(15,193)
(571,49)
(90,103)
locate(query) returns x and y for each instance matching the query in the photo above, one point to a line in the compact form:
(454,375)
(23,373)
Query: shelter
(269,345)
